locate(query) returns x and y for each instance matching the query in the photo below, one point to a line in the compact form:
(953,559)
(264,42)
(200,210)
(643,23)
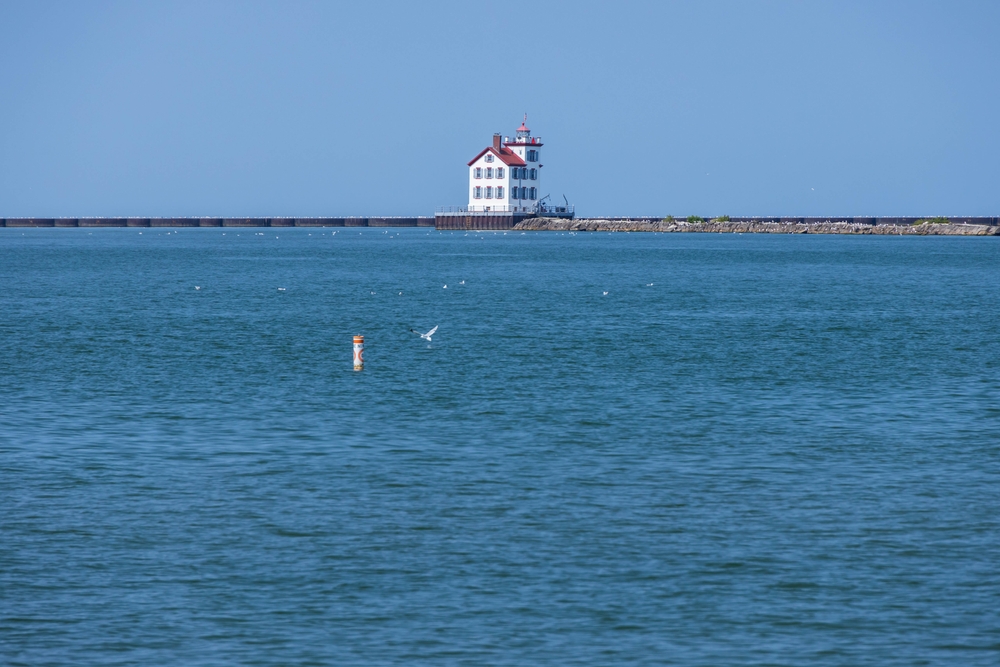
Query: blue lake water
(784,451)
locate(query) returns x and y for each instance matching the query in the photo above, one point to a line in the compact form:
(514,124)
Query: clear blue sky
(373,108)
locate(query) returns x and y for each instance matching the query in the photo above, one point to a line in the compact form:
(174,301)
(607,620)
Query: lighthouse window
(532,156)
(489,192)
(489,157)
(513,193)
(479,172)
(499,172)
(534,174)
(532,193)
(500,192)
(477,192)
(489,172)
(524,193)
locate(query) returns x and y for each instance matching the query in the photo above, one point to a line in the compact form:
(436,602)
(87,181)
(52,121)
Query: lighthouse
(505,177)
(504,186)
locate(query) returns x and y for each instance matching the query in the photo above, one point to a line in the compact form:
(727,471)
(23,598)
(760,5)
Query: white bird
(605,294)
(445,287)
(281,289)
(426,336)
(462,282)
(649,284)
(197,287)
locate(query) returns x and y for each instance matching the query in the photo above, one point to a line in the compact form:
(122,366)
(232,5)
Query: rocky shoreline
(743,227)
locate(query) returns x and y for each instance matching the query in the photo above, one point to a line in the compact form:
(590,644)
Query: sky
(296,108)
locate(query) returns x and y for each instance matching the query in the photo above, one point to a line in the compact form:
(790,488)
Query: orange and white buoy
(359,353)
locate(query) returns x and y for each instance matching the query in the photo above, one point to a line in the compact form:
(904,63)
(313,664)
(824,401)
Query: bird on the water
(425,336)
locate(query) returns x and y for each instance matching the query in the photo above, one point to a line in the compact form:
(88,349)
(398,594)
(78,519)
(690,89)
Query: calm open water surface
(784,451)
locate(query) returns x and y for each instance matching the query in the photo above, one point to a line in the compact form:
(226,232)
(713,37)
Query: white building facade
(506,176)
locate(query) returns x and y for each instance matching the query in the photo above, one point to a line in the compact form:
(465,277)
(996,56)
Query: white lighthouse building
(505,177)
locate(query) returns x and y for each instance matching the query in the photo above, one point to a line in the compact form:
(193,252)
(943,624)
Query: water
(784,451)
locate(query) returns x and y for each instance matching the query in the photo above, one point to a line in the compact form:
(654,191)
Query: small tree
(722,218)
(695,218)
(668,219)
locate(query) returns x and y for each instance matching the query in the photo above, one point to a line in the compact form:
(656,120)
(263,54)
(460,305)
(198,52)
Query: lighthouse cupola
(523,133)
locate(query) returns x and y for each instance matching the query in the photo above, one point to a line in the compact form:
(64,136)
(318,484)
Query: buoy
(359,353)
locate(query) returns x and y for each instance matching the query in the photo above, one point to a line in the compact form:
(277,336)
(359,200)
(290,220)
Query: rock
(604,225)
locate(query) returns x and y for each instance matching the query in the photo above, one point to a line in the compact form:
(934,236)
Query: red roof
(506,155)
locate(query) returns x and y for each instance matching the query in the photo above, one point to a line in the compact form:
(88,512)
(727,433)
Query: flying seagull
(427,335)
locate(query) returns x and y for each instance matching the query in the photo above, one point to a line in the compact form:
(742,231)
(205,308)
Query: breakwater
(480,220)
(218,222)
(869,226)
(966,226)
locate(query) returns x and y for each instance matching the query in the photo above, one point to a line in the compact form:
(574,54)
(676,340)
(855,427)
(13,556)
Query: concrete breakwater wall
(751,226)
(217,222)
(480,221)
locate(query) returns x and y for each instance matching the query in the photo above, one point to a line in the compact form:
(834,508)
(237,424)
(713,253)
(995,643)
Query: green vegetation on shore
(695,218)
(939,220)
